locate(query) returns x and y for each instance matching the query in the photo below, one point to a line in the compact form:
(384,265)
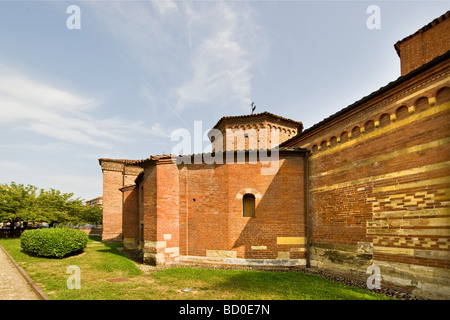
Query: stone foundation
(244,262)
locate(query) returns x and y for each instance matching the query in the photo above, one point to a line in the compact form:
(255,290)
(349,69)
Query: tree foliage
(28,203)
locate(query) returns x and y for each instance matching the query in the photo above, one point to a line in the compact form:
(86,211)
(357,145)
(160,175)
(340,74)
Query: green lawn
(107,274)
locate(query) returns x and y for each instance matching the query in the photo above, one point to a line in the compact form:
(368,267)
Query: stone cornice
(112,166)
(132,170)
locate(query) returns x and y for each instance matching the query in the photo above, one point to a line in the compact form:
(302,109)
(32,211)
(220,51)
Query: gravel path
(13,285)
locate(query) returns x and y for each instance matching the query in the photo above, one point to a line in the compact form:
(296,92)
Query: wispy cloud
(164,6)
(29,104)
(193,54)
(222,57)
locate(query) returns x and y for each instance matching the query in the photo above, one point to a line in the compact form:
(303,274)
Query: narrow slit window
(248,205)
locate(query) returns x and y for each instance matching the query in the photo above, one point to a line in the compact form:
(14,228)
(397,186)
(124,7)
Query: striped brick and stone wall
(380,184)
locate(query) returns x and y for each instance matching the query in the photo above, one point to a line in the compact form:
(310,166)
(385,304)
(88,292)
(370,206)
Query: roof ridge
(117,160)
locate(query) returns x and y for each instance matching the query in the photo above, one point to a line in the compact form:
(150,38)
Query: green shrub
(53,242)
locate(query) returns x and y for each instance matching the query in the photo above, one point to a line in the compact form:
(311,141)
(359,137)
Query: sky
(115,79)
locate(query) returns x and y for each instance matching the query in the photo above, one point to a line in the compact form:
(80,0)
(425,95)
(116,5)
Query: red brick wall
(149,203)
(203,209)
(112,205)
(279,213)
(424,45)
(116,174)
(211,209)
(130,219)
(167,208)
(160,212)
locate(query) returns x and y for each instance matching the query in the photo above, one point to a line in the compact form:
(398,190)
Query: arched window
(369,126)
(356,132)
(344,137)
(401,112)
(248,205)
(385,120)
(333,141)
(421,104)
(443,95)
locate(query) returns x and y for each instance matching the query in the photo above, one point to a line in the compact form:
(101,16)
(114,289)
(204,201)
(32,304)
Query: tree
(27,204)
(17,203)
(92,215)
(55,206)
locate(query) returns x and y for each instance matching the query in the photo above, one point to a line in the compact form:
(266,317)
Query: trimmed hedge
(53,242)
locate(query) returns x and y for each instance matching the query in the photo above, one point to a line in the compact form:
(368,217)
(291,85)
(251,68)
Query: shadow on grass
(68,255)
(267,285)
(117,248)
(290,286)
(115,258)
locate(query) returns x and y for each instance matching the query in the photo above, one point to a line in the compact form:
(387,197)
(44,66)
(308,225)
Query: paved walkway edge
(33,285)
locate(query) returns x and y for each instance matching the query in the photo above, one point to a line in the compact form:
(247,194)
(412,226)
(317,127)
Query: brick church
(369,185)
